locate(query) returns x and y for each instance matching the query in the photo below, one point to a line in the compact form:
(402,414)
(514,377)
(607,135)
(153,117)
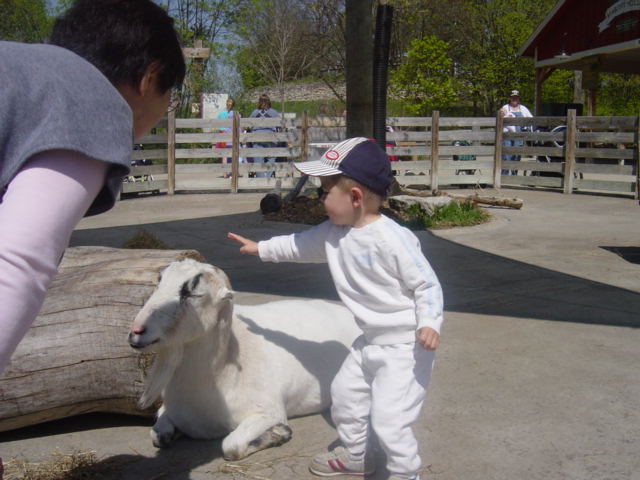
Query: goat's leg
(164,431)
(256,432)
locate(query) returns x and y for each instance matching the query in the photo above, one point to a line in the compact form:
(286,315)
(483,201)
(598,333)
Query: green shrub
(451,215)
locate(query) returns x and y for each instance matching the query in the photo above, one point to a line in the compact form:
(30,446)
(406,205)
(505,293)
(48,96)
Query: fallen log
(515,203)
(75,358)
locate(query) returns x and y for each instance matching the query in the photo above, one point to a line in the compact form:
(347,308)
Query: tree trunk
(75,358)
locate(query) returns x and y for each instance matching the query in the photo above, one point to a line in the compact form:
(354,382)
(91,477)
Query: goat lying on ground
(236,372)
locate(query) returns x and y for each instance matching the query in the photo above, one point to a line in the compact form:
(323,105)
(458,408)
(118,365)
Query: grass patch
(145,240)
(63,466)
(447,216)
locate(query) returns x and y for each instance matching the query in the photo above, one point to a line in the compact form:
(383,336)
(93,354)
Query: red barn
(591,36)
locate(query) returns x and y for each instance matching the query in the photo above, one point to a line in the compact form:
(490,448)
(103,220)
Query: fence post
(570,151)
(497,155)
(435,139)
(235,151)
(304,137)
(171,152)
(638,159)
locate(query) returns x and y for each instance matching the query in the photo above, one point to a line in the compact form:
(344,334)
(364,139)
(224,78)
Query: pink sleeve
(41,207)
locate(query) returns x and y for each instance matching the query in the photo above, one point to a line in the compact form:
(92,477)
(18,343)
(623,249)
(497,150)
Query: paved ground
(537,376)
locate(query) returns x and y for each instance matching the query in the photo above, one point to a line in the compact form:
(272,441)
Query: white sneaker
(339,462)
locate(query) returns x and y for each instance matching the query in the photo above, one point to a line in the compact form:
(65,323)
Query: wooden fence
(572,153)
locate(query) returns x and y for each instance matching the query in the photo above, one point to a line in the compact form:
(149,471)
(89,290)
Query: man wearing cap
(382,276)
(513,109)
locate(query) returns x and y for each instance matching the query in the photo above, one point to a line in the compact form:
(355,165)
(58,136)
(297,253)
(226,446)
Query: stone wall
(299,92)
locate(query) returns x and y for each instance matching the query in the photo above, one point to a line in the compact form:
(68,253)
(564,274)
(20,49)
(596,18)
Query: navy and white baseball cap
(358,158)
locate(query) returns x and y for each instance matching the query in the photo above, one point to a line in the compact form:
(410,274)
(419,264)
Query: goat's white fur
(236,372)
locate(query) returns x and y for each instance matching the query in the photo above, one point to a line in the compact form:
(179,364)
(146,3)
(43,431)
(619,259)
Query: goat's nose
(138,330)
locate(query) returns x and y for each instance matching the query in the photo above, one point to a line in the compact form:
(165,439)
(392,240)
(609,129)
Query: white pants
(384,385)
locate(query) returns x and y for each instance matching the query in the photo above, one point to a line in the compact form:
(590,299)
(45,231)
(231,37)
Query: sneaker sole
(339,474)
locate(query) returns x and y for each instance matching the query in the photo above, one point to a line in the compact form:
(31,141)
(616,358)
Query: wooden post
(197,54)
(235,151)
(638,159)
(497,155)
(435,139)
(570,151)
(304,137)
(171,152)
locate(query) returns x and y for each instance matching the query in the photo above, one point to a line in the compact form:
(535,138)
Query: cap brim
(316,168)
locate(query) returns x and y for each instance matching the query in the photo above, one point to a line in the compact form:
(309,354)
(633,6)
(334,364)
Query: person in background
(70,113)
(264,110)
(226,114)
(513,109)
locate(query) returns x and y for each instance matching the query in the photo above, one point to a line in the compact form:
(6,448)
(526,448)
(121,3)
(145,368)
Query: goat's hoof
(281,434)
(162,440)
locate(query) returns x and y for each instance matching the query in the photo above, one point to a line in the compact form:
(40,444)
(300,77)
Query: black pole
(384,14)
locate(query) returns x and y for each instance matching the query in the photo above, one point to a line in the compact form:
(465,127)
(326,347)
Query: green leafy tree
(275,47)
(24,21)
(483,40)
(424,79)
(619,94)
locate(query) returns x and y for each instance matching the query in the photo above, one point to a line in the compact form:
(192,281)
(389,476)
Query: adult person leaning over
(71,110)
(513,109)
(264,110)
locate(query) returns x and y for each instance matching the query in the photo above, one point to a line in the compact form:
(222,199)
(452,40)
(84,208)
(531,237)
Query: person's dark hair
(122,38)
(263,102)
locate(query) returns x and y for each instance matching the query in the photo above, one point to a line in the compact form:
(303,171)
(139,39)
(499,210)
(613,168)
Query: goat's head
(190,299)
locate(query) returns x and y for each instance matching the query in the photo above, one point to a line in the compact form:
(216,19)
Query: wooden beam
(235,151)
(435,131)
(171,152)
(542,74)
(197,51)
(570,151)
(497,155)
(638,159)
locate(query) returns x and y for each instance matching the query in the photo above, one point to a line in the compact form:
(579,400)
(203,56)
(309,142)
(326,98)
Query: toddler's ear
(357,195)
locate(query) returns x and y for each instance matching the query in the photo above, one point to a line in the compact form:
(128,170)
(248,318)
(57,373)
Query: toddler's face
(338,204)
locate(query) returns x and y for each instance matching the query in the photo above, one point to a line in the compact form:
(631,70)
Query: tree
(327,38)
(483,40)
(24,21)
(275,34)
(209,21)
(619,94)
(424,80)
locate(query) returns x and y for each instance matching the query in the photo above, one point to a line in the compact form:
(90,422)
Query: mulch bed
(309,210)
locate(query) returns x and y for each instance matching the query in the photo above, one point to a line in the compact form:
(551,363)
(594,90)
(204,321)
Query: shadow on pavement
(473,281)
(630,254)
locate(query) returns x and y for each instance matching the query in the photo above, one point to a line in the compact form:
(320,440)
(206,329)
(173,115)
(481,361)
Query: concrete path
(536,378)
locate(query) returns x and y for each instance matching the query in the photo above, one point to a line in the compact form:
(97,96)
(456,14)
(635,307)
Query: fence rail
(571,153)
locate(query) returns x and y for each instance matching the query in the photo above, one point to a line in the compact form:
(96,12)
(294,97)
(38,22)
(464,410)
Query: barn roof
(602,35)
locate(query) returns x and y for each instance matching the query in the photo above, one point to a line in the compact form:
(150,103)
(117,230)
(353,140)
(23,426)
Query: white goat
(239,374)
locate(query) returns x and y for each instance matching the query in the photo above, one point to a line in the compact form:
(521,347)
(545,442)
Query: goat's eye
(188,287)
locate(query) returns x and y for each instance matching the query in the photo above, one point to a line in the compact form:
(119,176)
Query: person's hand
(428,338)
(248,247)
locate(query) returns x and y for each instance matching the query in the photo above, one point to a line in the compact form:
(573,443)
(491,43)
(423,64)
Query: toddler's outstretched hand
(428,338)
(248,246)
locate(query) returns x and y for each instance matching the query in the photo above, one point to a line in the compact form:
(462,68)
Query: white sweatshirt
(379,272)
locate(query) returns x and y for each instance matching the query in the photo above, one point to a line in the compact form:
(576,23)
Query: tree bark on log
(516,203)
(75,358)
